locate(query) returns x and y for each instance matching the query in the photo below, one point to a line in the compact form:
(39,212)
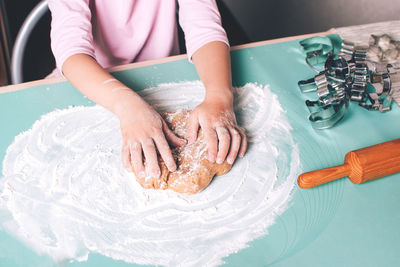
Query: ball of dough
(194,172)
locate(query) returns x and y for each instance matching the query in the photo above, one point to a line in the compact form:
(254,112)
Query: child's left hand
(225,139)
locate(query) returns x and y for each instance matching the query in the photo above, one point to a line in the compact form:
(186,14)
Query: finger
(125,157)
(243,144)
(150,155)
(212,143)
(235,145)
(165,152)
(224,140)
(192,129)
(137,159)
(171,136)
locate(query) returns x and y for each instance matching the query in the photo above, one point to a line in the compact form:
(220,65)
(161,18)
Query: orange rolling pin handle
(319,177)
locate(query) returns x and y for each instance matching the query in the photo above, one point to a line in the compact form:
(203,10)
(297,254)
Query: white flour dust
(66,194)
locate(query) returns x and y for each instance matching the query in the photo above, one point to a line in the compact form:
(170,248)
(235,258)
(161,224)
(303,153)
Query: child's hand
(225,139)
(142,128)
(143,131)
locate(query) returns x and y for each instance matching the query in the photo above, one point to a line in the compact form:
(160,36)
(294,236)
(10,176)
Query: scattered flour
(66,193)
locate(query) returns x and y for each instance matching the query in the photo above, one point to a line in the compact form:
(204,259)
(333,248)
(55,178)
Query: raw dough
(194,172)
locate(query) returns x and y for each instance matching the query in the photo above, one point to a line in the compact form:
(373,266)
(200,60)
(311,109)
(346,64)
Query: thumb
(171,136)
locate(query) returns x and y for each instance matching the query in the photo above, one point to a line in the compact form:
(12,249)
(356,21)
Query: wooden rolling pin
(360,166)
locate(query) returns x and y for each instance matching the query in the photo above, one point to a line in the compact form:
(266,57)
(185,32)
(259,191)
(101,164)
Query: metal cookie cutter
(379,91)
(349,74)
(386,85)
(382,48)
(346,51)
(325,116)
(336,71)
(360,54)
(352,53)
(331,106)
(360,74)
(360,82)
(312,84)
(317,50)
(331,88)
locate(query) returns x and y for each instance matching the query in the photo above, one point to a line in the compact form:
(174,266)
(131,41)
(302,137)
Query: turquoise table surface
(337,224)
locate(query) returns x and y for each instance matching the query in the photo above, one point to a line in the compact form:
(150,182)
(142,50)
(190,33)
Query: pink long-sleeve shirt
(116,32)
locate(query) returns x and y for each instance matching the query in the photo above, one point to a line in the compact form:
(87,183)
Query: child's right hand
(143,131)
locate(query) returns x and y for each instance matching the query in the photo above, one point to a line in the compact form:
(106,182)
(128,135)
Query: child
(89,36)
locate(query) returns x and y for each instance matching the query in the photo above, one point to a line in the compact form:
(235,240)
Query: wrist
(224,94)
(126,106)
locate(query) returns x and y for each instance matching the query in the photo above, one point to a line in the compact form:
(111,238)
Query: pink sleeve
(71,29)
(201,23)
